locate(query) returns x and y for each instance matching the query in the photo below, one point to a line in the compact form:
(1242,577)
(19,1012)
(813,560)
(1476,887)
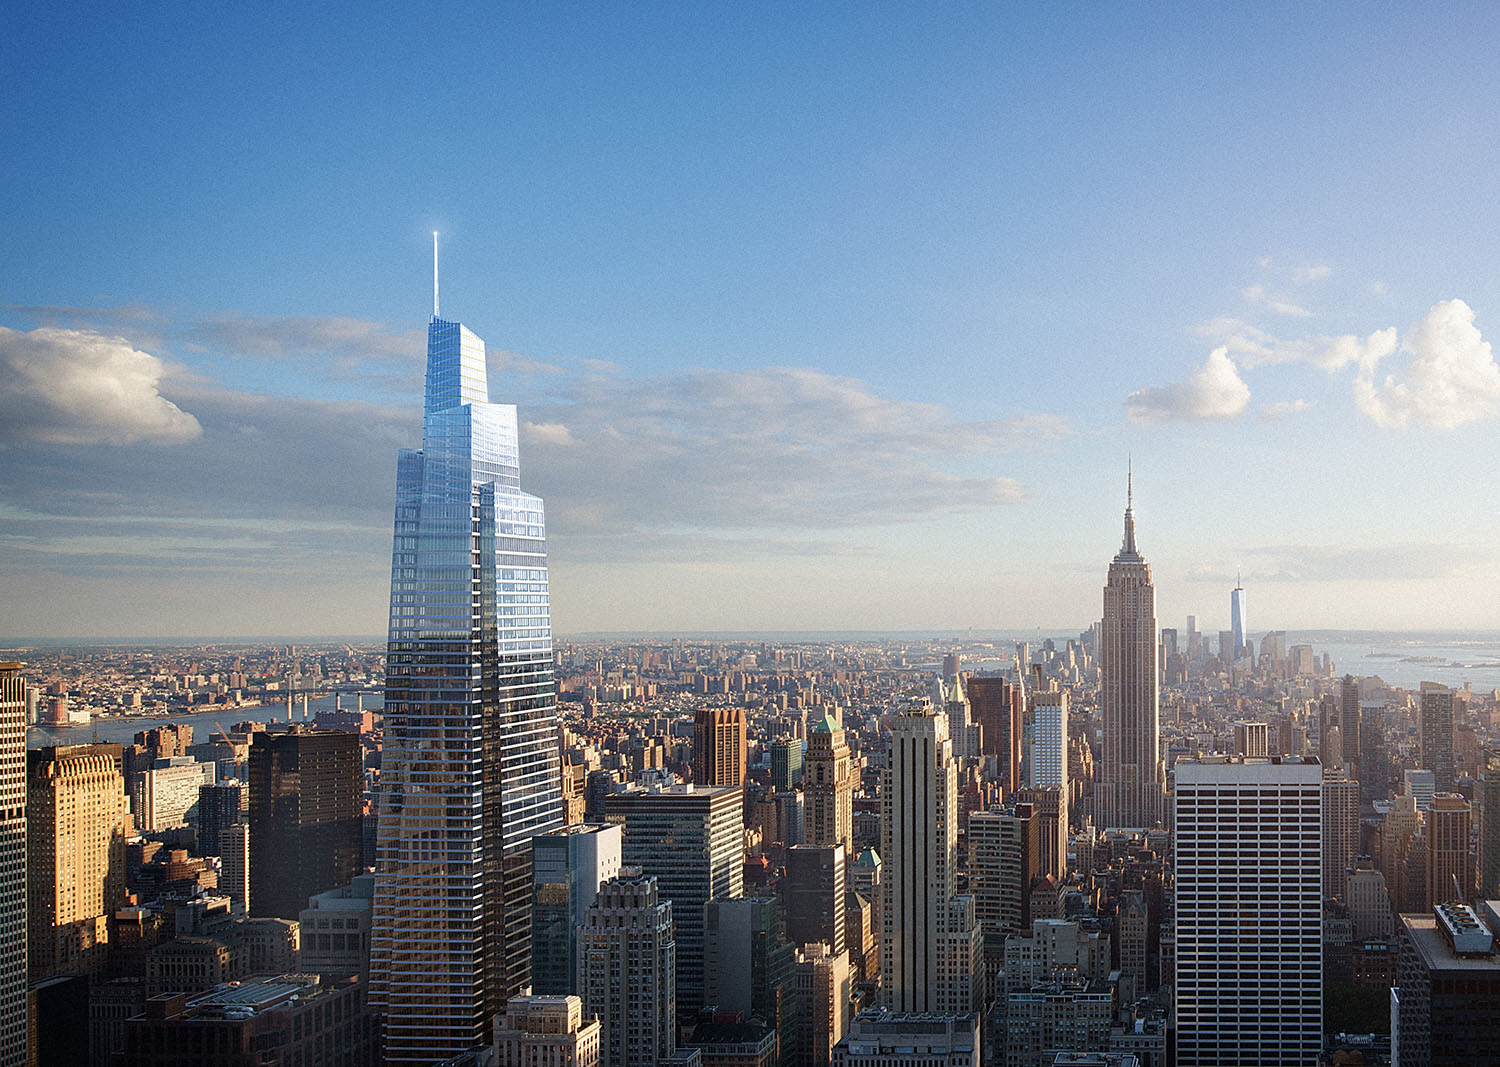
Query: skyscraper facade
(719,746)
(306,823)
(75,812)
(470,769)
(1249,967)
(1237,620)
(828,787)
(1437,734)
(998,706)
(627,970)
(568,866)
(12,865)
(919,838)
(692,842)
(1130,787)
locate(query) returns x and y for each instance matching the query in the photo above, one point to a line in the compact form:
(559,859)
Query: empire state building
(1129,791)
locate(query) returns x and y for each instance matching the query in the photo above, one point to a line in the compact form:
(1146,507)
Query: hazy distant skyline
(817,319)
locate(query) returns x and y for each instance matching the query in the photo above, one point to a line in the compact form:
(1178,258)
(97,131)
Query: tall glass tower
(469,761)
(1237,619)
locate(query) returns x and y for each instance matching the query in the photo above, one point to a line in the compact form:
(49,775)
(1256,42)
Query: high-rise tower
(828,786)
(1249,971)
(12,865)
(719,746)
(1130,787)
(1237,619)
(470,762)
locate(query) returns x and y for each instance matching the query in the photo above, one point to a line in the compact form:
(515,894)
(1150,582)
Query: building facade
(828,787)
(691,841)
(470,768)
(306,816)
(13,886)
(75,813)
(568,866)
(720,745)
(627,971)
(1129,790)
(1248,951)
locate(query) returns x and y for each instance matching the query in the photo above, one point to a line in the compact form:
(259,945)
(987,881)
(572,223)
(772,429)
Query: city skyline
(808,313)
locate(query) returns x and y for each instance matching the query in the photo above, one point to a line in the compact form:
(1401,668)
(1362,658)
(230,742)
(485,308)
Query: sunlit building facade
(470,769)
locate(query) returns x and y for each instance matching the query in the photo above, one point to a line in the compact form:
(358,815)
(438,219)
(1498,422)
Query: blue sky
(818,318)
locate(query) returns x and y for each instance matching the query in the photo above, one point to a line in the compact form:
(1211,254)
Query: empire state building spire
(1127,548)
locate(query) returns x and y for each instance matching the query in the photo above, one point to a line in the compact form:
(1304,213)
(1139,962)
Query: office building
(1236,622)
(749,965)
(813,888)
(1369,901)
(890,1039)
(1248,846)
(75,862)
(166,793)
(998,705)
(1340,831)
(786,764)
(692,841)
(1129,790)
(1420,785)
(719,746)
(234,869)
(1488,798)
(1374,764)
(1450,875)
(1350,726)
(627,970)
(1046,761)
(267,1021)
(568,866)
(919,835)
(335,929)
(828,787)
(1445,1006)
(1436,736)
(546,1031)
(218,807)
(1004,852)
(13,884)
(824,987)
(1252,739)
(306,816)
(1063,1013)
(469,761)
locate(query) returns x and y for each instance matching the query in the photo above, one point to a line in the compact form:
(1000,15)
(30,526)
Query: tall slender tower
(828,786)
(1130,787)
(1237,618)
(12,865)
(470,769)
(719,746)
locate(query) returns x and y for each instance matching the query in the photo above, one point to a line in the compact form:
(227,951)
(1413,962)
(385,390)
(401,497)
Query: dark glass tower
(469,759)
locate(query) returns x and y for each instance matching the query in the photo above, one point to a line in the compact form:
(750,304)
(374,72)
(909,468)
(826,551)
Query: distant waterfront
(122,729)
(1409,659)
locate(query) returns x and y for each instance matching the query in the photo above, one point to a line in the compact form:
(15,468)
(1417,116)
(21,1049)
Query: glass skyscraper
(469,760)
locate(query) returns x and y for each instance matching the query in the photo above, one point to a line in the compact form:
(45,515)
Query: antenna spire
(1129,478)
(434,274)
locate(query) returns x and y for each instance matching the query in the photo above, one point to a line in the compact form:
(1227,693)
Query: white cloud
(1258,294)
(550,433)
(1336,353)
(79,387)
(1282,408)
(1313,272)
(1212,391)
(1452,378)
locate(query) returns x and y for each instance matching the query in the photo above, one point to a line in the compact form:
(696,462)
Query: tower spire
(434,275)
(1128,548)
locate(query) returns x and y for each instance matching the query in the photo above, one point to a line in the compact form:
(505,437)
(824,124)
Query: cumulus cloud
(1451,380)
(1336,353)
(1213,391)
(77,387)
(1281,409)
